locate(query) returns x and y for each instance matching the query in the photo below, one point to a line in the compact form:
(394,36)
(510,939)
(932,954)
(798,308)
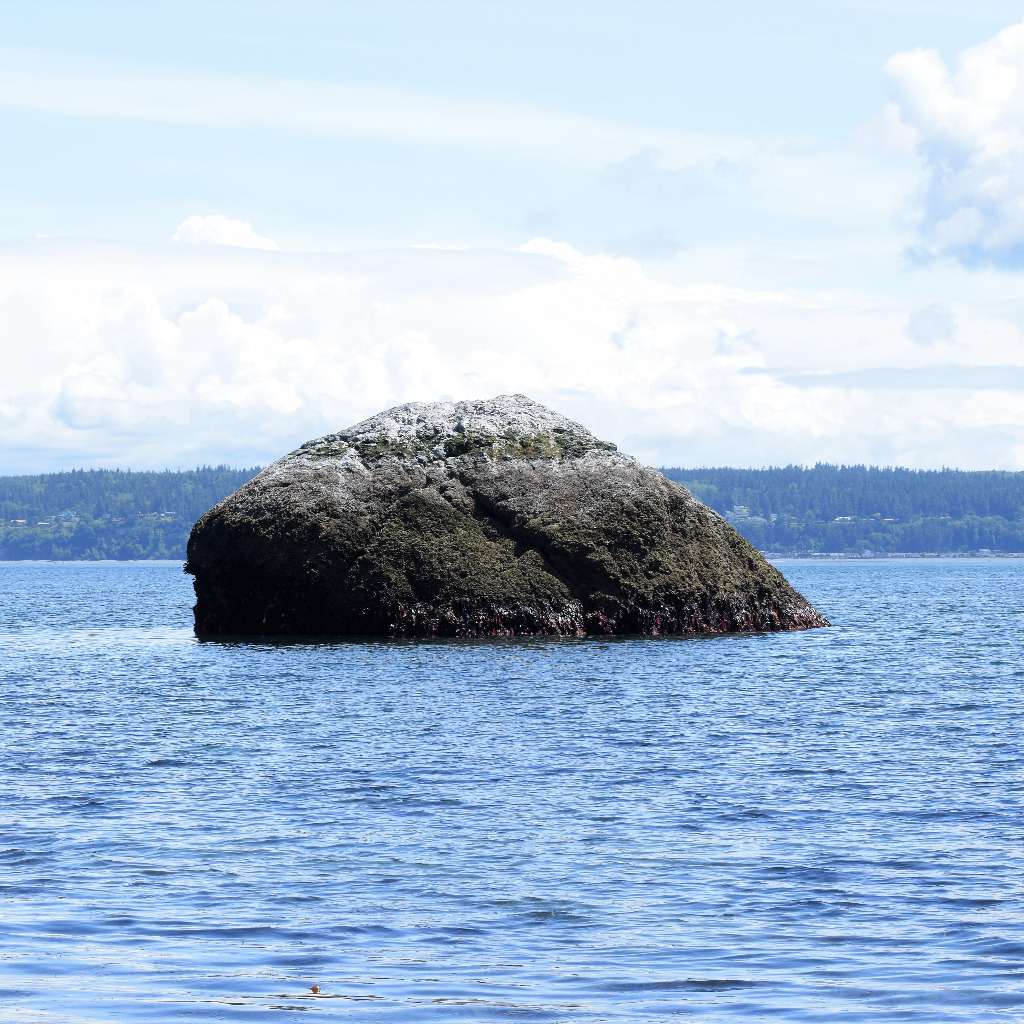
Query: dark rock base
(269,617)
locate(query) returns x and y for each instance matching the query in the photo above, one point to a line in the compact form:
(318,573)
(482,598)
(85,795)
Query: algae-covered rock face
(478,518)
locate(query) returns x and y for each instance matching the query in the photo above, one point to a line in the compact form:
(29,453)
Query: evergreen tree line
(103,513)
(93,514)
(853,509)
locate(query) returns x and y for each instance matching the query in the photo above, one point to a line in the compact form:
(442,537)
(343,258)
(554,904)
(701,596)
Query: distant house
(738,512)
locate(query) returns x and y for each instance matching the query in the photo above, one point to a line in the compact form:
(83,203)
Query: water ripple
(812,827)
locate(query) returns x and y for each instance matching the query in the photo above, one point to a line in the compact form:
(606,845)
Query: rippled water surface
(810,827)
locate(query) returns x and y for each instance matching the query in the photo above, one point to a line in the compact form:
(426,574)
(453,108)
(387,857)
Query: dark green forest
(856,509)
(98,513)
(108,513)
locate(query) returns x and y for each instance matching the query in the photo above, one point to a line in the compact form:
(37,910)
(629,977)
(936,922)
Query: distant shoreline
(825,512)
(770,556)
(92,561)
(773,556)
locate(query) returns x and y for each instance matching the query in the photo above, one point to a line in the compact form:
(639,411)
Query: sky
(716,233)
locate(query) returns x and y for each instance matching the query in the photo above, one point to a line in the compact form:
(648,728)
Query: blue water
(820,826)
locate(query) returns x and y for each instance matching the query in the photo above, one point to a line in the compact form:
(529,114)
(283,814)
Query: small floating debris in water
(315,989)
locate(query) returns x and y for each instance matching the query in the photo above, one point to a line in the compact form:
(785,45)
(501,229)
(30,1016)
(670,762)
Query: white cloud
(150,357)
(968,125)
(217,229)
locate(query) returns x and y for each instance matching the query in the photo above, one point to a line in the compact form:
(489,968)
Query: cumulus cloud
(217,229)
(153,356)
(968,126)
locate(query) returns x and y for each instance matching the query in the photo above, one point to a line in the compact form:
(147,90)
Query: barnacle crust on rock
(478,518)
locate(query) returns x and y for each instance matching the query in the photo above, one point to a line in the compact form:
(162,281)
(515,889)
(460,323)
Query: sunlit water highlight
(810,827)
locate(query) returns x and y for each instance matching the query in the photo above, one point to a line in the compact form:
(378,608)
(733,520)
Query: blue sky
(730,233)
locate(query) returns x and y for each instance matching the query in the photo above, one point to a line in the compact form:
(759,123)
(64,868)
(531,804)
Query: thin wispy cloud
(56,83)
(663,174)
(780,173)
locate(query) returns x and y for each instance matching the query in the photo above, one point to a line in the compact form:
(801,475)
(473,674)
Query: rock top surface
(476,518)
(509,426)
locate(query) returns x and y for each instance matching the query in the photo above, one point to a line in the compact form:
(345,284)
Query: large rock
(476,519)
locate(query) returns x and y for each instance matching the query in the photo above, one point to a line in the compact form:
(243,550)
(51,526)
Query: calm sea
(823,826)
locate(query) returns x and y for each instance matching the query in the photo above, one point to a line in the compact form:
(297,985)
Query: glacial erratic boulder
(477,518)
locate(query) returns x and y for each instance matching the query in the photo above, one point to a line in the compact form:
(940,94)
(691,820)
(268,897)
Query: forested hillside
(100,513)
(854,509)
(92,514)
